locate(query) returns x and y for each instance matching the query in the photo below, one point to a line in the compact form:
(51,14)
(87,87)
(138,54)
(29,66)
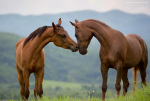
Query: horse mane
(102,23)
(38,32)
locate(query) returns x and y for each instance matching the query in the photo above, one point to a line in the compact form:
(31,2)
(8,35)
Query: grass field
(63,85)
(141,94)
(51,89)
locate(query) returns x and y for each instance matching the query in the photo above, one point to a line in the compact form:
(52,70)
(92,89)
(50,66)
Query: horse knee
(104,88)
(118,87)
(26,92)
(40,93)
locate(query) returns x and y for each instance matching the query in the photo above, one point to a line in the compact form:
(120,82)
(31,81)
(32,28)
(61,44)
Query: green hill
(7,57)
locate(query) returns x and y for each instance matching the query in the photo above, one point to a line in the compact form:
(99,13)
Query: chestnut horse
(30,55)
(118,51)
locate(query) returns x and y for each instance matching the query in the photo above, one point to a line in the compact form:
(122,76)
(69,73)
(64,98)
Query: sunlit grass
(141,94)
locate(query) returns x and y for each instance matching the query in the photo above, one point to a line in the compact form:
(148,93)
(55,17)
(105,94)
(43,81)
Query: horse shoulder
(19,46)
(18,43)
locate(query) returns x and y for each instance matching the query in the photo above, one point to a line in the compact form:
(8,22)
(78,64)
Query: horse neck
(102,33)
(38,43)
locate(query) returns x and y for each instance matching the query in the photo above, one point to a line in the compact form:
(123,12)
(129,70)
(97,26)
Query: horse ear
(73,24)
(54,26)
(76,21)
(59,21)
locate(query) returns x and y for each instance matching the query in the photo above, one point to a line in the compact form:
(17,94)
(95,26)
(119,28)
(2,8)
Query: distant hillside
(7,57)
(126,23)
(61,64)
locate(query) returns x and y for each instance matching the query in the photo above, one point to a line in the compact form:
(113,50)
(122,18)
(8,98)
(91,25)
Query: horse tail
(135,74)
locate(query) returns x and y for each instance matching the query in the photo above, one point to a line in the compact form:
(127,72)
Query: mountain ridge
(125,22)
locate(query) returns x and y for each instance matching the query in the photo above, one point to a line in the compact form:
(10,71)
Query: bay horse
(30,55)
(118,51)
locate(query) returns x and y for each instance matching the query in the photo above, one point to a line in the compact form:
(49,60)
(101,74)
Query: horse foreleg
(21,81)
(104,71)
(118,79)
(36,86)
(40,81)
(125,81)
(26,75)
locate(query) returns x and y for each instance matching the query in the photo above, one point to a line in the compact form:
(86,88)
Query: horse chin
(73,50)
(83,52)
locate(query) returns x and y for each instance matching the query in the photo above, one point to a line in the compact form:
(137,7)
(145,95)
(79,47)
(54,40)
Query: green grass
(141,94)
(63,85)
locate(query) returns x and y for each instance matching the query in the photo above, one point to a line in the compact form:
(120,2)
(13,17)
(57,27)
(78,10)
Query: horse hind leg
(21,82)
(143,64)
(143,74)
(135,73)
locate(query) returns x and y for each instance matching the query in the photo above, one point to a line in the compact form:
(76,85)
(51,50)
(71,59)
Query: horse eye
(64,36)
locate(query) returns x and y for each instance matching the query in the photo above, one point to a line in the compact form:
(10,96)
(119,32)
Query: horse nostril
(77,47)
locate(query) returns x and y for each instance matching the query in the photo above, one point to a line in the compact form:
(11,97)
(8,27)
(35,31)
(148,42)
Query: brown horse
(30,55)
(118,51)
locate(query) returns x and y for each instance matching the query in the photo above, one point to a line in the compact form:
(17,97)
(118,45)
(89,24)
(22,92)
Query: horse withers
(118,51)
(30,55)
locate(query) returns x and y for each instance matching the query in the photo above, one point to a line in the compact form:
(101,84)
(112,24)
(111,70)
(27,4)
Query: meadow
(141,94)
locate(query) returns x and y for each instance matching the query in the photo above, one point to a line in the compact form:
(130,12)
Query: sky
(38,7)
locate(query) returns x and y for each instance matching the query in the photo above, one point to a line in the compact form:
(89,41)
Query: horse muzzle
(83,51)
(74,48)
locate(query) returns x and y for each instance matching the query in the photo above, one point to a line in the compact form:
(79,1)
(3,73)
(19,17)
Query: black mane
(38,32)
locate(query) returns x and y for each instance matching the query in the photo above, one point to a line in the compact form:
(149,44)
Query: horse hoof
(26,94)
(40,93)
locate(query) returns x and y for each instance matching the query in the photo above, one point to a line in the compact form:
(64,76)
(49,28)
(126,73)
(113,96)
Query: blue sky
(38,7)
